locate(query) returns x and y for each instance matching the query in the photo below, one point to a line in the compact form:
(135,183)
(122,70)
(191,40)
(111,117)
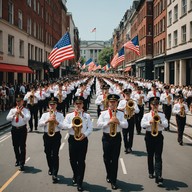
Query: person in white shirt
(78,139)
(52,124)
(19,117)
(154,123)
(112,137)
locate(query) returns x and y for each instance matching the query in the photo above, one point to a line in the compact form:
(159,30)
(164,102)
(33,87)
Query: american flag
(62,51)
(119,57)
(133,45)
(93,30)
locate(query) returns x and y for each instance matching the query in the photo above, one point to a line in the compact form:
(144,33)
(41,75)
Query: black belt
(21,127)
(107,134)
(147,132)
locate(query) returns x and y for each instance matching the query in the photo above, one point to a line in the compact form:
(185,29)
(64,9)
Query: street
(132,173)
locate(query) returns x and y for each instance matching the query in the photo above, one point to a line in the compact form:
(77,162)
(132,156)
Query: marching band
(121,103)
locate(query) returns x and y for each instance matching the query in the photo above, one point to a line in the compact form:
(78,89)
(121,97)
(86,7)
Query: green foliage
(82,60)
(105,56)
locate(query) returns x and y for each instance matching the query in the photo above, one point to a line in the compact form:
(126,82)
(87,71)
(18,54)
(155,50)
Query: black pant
(154,147)
(128,133)
(51,149)
(167,111)
(181,121)
(19,136)
(34,114)
(138,117)
(77,155)
(41,106)
(111,152)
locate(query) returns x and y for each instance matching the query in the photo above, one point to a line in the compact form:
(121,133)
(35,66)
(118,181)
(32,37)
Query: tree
(105,56)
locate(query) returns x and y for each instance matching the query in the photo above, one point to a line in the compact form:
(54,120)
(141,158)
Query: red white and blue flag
(118,58)
(133,45)
(93,30)
(62,51)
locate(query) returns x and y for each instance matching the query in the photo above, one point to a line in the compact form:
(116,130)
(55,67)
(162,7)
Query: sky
(104,15)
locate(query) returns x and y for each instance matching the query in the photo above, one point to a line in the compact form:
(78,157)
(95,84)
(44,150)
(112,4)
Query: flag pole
(95,35)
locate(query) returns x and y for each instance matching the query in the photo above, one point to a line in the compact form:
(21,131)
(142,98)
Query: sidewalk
(188,128)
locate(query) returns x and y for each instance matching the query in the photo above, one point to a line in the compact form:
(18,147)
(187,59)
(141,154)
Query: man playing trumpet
(78,144)
(154,122)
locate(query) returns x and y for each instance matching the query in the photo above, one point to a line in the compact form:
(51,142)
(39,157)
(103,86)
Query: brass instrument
(52,125)
(154,128)
(105,103)
(182,110)
(168,99)
(77,124)
(31,98)
(129,109)
(113,127)
(60,96)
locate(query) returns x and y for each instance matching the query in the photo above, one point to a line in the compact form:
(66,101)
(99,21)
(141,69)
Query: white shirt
(176,108)
(163,98)
(104,118)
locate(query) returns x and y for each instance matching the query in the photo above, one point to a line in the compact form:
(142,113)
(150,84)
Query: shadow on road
(31,170)
(139,153)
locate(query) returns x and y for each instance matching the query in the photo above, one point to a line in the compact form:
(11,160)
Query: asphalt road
(132,173)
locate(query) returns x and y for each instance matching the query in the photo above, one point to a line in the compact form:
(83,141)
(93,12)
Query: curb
(5,125)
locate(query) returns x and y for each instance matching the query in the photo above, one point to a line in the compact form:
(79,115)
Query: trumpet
(140,100)
(113,127)
(168,97)
(59,96)
(31,98)
(156,120)
(129,109)
(77,123)
(52,125)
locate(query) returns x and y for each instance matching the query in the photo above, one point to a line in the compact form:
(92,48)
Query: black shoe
(114,186)
(16,164)
(126,151)
(129,150)
(80,188)
(180,142)
(22,168)
(108,180)
(151,176)
(159,180)
(55,179)
(49,172)
(74,181)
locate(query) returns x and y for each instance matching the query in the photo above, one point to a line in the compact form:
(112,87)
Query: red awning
(127,69)
(15,68)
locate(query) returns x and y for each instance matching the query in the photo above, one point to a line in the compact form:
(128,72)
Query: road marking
(66,136)
(123,166)
(5,138)
(62,145)
(11,178)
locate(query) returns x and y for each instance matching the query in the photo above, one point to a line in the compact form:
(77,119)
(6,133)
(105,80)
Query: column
(166,73)
(182,72)
(176,73)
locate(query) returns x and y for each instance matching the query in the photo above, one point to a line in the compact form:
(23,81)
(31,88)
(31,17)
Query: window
(191,30)
(20,19)
(175,37)
(190,4)
(183,7)
(10,44)
(183,34)
(21,48)
(34,29)
(176,13)
(34,5)
(169,40)
(38,8)
(169,18)
(1,40)
(29,26)
(10,12)
(29,2)
(163,24)
(0,8)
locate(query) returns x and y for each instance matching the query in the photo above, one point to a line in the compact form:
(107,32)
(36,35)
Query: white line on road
(5,138)
(62,145)
(66,136)
(123,166)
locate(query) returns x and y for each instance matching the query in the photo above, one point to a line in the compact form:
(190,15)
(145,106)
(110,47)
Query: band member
(52,123)
(141,98)
(154,93)
(154,122)
(129,106)
(112,121)
(79,130)
(180,109)
(167,99)
(101,100)
(19,117)
(32,98)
